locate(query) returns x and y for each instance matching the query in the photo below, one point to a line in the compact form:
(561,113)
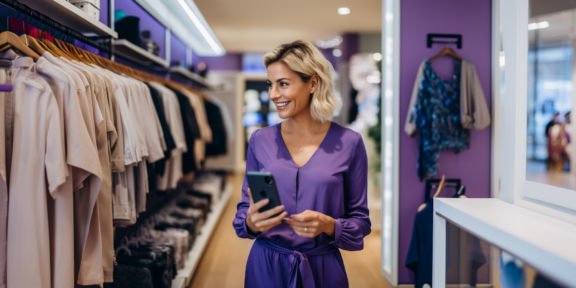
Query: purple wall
(472,19)
(104,12)
(177,49)
(328,54)
(350,45)
(147,22)
(228,62)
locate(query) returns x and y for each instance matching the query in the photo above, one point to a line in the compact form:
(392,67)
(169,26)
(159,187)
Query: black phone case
(262,189)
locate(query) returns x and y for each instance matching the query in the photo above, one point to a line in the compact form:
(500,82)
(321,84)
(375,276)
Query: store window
(549,143)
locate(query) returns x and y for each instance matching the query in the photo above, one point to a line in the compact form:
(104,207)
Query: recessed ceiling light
(377,56)
(539,25)
(337,52)
(343,10)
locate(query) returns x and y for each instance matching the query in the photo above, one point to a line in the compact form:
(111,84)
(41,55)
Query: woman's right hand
(259,222)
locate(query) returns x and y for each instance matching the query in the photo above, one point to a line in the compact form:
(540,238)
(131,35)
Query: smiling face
(288,91)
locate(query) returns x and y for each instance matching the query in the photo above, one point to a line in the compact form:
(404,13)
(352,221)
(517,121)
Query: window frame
(512,121)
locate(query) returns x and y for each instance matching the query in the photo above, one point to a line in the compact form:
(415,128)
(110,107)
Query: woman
(320,170)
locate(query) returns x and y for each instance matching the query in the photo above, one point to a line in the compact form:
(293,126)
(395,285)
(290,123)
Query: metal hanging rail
(43,19)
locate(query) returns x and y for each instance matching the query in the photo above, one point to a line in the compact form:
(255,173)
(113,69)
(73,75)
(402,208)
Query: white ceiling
(261,25)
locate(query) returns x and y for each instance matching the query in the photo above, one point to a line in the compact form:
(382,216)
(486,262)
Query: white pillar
(439,252)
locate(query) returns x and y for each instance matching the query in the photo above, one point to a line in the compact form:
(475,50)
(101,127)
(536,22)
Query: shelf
(544,242)
(70,16)
(201,241)
(189,75)
(178,283)
(137,54)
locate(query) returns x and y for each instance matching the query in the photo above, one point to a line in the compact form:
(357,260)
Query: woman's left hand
(311,223)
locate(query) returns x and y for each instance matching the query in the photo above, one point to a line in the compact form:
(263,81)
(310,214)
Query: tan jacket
(473,108)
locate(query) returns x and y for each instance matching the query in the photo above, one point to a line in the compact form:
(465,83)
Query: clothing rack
(430,39)
(38,17)
(63,32)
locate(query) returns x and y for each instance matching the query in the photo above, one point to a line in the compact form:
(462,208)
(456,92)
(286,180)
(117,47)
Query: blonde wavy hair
(306,60)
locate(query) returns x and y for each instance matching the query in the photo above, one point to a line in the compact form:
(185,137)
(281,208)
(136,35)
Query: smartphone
(263,186)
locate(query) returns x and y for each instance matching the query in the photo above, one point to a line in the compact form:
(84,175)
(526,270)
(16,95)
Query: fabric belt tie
(299,261)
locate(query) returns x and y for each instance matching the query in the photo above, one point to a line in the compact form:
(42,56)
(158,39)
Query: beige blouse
(38,166)
(473,108)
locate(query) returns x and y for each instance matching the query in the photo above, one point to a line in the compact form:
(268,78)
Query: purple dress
(332,182)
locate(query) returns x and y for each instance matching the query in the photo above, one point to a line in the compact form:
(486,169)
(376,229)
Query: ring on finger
(305,229)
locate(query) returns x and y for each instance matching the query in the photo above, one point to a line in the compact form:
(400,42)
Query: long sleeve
(242,207)
(410,125)
(351,229)
(473,108)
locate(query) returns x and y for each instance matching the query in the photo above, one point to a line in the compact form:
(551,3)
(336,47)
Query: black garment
(216,122)
(191,131)
(353,114)
(131,277)
(150,167)
(160,165)
(129,28)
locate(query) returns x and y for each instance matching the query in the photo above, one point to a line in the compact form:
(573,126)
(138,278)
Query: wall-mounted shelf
(131,51)
(70,16)
(201,241)
(183,72)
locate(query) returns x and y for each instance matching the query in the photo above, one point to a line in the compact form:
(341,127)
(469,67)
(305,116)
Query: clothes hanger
(123,246)
(59,44)
(429,186)
(42,43)
(461,192)
(441,186)
(32,43)
(52,48)
(11,40)
(446,51)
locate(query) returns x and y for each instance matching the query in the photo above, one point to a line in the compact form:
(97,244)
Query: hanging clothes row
(84,140)
(442,112)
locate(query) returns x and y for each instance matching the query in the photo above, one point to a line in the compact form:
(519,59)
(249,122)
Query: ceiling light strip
(201,28)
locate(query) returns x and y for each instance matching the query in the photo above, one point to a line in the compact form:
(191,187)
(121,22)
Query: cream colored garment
(134,98)
(122,197)
(149,121)
(6,103)
(61,209)
(105,195)
(139,142)
(473,108)
(115,138)
(88,239)
(37,160)
(78,174)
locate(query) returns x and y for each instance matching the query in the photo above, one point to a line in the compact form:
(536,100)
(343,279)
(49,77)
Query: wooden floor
(224,260)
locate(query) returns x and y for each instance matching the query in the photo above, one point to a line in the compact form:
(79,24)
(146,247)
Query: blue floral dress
(437,117)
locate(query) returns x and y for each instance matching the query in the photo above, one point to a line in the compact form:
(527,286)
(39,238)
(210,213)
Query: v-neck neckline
(313,154)
(455,75)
